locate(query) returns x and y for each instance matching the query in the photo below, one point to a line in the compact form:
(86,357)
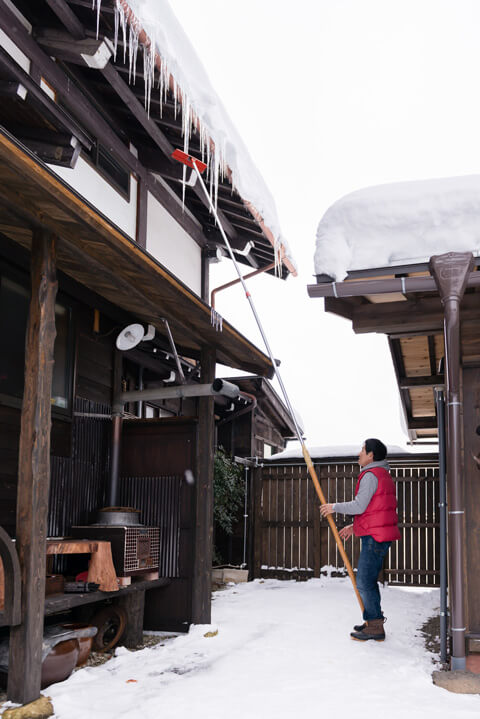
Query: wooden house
(98,231)
(427,304)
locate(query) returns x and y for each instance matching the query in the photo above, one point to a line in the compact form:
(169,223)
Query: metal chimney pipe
(451,272)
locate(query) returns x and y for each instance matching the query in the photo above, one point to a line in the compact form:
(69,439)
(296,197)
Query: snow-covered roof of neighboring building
(182,72)
(333,451)
(397,224)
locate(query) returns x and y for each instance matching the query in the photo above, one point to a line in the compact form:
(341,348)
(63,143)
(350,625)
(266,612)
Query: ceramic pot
(84,642)
(60,662)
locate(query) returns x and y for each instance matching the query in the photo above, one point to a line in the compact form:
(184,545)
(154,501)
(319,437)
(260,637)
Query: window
(14,306)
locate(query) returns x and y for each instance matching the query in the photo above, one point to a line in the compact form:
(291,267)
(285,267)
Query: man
(376,522)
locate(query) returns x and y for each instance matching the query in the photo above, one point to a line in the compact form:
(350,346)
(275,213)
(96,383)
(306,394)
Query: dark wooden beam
(339,307)
(412,382)
(393,317)
(87,4)
(422,423)
(399,369)
(40,99)
(424,315)
(34,473)
(68,18)
(55,148)
(205,280)
(431,354)
(135,108)
(90,52)
(142,202)
(173,171)
(74,99)
(13,89)
(203,545)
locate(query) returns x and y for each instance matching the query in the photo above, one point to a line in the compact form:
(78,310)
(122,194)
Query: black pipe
(442,505)
(451,272)
(117,422)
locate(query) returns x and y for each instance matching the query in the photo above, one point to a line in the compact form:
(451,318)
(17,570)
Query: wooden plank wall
(296,543)
(73,453)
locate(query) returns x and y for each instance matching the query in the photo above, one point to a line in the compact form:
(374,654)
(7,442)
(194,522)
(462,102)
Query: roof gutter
(360,288)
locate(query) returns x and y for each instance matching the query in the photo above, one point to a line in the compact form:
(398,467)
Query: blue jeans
(369,565)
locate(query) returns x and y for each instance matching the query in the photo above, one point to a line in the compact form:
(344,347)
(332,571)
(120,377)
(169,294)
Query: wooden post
(203,546)
(134,605)
(256,520)
(34,473)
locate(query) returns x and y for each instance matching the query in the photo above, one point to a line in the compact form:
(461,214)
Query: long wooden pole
(341,548)
(192,162)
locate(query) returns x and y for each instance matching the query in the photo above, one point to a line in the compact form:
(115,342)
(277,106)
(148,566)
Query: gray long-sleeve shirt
(368,487)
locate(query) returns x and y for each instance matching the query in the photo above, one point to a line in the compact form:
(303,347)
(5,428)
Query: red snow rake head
(189,160)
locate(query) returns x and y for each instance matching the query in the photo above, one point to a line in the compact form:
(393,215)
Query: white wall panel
(91,185)
(168,242)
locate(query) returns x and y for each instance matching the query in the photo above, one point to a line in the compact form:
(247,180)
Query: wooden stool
(100,568)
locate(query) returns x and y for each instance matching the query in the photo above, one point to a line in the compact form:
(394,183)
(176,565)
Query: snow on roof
(344,450)
(400,223)
(182,71)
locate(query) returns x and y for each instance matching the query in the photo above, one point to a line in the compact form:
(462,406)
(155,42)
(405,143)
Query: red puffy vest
(380,519)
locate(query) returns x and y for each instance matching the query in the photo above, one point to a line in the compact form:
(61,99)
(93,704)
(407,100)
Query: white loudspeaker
(130,337)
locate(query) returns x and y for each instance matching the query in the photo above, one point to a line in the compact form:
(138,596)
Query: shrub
(228,490)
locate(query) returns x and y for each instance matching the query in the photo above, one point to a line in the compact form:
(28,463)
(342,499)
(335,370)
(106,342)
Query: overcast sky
(331,96)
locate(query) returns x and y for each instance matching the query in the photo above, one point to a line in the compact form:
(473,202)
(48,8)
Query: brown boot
(374,629)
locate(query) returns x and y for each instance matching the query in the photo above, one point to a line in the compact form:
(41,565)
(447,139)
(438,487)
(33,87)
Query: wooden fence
(293,541)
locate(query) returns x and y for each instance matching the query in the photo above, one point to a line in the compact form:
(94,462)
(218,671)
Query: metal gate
(295,542)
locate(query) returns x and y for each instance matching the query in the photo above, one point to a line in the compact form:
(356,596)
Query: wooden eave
(413,322)
(155,137)
(269,401)
(100,257)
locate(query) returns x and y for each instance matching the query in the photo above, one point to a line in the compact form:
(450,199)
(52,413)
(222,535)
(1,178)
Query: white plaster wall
(91,185)
(168,242)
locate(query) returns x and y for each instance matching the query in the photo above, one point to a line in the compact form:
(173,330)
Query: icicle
(149,74)
(216,320)
(160,82)
(186,125)
(98,5)
(132,55)
(277,249)
(116,18)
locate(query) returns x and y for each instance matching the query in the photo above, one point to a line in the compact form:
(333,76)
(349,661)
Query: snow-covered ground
(282,650)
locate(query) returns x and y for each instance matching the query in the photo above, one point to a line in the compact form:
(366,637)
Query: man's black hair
(378,448)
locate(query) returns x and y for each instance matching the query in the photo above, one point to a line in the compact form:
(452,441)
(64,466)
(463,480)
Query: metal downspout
(451,272)
(442,505)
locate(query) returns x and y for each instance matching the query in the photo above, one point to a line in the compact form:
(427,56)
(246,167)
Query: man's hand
(326,509)
(346,532)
